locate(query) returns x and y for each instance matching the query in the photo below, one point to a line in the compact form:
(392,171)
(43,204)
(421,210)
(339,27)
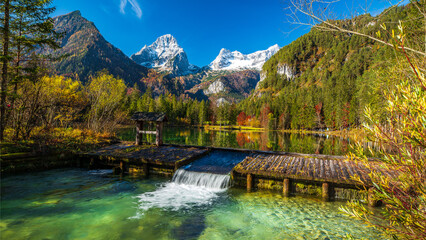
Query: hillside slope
(87,52)
(325,79)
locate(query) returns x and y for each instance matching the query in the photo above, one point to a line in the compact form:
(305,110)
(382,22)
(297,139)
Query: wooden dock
(327,171)
(143,159)
(259,169)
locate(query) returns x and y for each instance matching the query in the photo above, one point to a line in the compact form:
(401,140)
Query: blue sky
(201,27)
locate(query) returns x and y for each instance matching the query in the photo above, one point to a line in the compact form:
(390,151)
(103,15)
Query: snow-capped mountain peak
(227,60)
(165,54)
(165,42)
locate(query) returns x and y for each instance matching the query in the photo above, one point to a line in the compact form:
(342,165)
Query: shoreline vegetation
(70,140)
(77,139)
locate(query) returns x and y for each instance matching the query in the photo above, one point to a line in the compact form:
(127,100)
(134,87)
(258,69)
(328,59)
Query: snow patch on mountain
(227,60)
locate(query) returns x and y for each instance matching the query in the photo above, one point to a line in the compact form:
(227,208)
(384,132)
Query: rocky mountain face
(227,60)
(231,87)
(165,54)
(86,52)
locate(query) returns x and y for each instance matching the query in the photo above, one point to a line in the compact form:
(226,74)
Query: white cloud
(135,7)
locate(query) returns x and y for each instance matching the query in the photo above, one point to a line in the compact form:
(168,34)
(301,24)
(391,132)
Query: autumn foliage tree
(241,119)
(106,95)
(402,141)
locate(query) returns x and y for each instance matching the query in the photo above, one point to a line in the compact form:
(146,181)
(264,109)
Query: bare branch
(321,21)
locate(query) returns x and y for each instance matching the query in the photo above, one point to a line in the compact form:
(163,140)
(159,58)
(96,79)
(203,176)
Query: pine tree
(26,26)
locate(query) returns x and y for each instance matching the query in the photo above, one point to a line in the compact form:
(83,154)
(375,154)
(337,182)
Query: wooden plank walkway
(335,170)
(167,157)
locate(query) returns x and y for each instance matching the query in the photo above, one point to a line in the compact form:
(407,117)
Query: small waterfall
(195,185)
(201,179)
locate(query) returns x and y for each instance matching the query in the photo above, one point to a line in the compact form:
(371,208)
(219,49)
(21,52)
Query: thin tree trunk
(18,61)
(3,92)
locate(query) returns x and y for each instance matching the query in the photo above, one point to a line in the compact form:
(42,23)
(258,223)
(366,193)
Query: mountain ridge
(227,60)
(88,52)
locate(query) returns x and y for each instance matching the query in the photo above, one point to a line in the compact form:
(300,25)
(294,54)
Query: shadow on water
(191,228)
(218,162)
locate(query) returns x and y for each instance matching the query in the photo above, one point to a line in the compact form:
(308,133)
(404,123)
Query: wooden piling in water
(122,167)
(330,171)
(146,169)
(286,187)
(249,182)
(372,202)
(327,192)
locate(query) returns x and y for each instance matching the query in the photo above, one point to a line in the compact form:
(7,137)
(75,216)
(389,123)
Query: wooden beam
(148,132)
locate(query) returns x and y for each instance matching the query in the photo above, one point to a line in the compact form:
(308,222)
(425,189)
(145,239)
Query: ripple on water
(262,215)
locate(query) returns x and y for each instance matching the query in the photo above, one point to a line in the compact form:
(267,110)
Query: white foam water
(187,190)
(208,180)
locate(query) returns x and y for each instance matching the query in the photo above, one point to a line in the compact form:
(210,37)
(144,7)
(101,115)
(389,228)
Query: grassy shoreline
(70,140)
(356,133)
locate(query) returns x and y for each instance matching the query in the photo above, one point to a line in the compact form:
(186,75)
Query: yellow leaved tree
(106,95)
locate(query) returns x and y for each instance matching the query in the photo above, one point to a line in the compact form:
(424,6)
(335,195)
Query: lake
(267,140)
(80,204)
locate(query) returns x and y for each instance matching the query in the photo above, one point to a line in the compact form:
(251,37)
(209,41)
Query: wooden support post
(249,182)
(92,164)
(159,134)
(327,192)
(146,169)
(139,129)
(286,187)
(122,170)
(372,202)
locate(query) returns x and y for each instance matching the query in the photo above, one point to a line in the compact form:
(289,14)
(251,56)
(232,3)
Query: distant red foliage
(242,119)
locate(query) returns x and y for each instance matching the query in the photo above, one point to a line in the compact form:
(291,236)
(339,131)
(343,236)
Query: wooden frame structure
(142,117)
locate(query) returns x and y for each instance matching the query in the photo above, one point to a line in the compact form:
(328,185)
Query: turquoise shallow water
(81,204)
